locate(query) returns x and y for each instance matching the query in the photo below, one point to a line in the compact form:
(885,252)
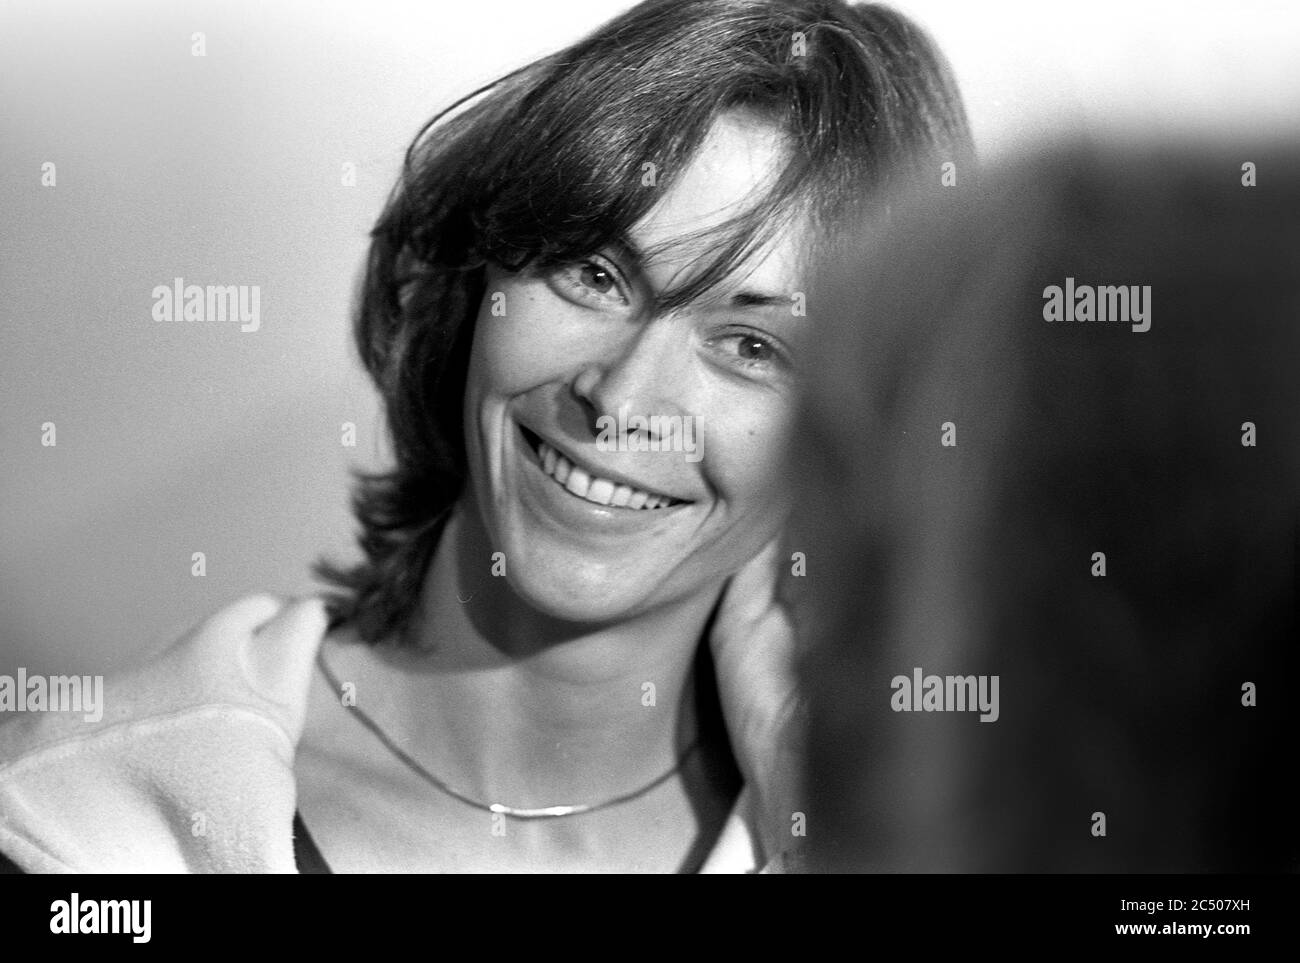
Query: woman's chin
(575,597)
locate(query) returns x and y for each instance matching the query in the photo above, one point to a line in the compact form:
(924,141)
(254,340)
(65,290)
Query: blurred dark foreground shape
(1119,695)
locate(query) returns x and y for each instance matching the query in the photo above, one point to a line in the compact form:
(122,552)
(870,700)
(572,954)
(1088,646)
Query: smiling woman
(557,654)
(574,347)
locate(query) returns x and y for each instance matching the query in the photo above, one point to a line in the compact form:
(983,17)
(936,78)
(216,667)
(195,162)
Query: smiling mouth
(594,488)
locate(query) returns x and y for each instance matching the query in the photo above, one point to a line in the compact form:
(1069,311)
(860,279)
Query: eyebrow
(752,299)
(635,259)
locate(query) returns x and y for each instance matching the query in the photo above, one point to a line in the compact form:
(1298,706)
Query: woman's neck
(513,706)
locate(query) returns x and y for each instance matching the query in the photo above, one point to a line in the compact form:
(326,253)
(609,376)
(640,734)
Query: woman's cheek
(503,354)
(747,462)
(528,341)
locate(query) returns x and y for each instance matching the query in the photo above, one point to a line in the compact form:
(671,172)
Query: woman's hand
(753,645)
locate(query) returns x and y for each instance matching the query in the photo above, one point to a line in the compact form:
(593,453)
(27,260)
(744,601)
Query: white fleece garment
(190,770)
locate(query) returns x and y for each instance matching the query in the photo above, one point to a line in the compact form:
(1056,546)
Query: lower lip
(542,492)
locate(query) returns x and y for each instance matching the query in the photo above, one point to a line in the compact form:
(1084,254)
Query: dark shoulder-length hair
(561,158)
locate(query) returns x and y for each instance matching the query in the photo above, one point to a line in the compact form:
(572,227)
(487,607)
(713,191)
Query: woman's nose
(647,375)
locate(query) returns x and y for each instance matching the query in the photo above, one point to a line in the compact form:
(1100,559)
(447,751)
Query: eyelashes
(597,283)
(752,351)
(592,281)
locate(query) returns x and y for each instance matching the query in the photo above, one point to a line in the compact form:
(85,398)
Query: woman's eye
(750,348)
(591,282)
(597,278)
(750,352)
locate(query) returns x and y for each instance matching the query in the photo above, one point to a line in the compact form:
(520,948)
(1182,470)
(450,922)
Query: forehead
(736,164)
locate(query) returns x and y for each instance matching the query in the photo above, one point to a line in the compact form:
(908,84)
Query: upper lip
(600,471)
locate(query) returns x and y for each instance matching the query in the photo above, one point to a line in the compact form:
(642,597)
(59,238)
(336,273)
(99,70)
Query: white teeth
(602,491)
(578,482)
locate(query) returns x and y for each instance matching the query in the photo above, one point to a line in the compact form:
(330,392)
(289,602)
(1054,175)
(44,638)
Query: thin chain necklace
(510,812)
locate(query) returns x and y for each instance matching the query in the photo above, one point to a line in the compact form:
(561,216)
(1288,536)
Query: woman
(516,677)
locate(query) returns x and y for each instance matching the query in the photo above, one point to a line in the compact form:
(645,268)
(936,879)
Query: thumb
(753,645)
(751,591)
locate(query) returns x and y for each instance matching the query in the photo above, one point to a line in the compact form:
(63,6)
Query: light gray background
(226,169)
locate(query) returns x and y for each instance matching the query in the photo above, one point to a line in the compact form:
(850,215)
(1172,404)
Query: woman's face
(561,354)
